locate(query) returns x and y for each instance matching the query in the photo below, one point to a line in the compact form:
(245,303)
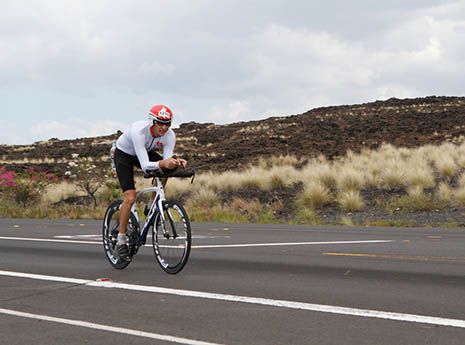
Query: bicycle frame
(156,207)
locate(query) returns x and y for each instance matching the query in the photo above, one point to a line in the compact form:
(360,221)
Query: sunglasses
(168,124)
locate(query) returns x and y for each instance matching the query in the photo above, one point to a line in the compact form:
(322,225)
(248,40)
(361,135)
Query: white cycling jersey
(137,140)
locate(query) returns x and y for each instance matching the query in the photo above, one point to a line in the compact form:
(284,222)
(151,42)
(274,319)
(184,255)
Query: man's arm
(138,141)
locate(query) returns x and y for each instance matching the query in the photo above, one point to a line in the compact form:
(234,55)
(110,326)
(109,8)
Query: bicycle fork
(166,233)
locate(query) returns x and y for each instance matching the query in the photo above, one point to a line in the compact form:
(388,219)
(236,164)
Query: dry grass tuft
(315,195)
(419,174)
(415,191)
(391,177)
(306,215)
(446,166)
(177,187)
(251,209)
(445,193)
(278,161)
(350,179)
(319,172)
(350,201)
(347,221)
(459,196)
(204,199)
(461,180)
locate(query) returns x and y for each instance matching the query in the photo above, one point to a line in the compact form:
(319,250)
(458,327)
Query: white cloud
(311,68)
(262,58)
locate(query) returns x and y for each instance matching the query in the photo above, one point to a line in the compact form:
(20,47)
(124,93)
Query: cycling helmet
(161,113)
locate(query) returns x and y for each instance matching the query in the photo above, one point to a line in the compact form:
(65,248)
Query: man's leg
(129,197)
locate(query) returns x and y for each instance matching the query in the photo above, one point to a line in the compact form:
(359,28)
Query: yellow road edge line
(400,257)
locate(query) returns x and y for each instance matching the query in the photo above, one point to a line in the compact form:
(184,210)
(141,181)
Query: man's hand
(168,164)
(182,162)
(172,163)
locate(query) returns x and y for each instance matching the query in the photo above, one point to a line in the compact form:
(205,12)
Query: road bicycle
(166,220)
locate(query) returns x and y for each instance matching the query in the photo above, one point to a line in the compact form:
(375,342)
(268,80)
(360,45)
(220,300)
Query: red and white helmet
(161,113)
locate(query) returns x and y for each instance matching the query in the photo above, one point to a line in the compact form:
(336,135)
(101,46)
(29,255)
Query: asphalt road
(243,284)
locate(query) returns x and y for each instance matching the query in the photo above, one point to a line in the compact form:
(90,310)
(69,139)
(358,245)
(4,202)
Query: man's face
(161,128)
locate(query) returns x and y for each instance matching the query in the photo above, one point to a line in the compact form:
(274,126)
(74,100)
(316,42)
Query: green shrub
(414,203)
(306,215)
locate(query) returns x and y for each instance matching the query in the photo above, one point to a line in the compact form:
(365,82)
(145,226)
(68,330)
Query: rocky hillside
(330,131)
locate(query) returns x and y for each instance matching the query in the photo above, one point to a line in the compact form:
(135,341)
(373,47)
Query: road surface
(243,284)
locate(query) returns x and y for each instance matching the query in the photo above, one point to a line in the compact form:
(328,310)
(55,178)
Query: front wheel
(171,239)
(110,231)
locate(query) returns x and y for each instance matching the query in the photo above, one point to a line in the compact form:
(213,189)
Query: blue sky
(72,69)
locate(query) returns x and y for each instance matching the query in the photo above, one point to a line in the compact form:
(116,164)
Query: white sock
(121,239)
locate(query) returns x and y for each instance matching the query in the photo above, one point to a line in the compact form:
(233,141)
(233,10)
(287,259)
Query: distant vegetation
(385,181)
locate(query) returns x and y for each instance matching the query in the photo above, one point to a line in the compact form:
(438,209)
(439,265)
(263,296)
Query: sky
(72,69)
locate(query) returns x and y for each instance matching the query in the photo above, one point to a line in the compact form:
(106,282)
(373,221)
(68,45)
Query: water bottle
(112,154)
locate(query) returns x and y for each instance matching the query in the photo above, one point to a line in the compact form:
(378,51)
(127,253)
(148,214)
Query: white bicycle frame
(157,205)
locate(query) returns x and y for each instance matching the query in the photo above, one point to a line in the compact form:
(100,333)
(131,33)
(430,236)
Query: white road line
(100,327)
(79,236)
(46,240)
(377,314)
(287,244)
(207,245)
(99,237)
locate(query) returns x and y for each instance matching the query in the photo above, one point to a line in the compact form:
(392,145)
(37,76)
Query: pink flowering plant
(7,178)
(24,188)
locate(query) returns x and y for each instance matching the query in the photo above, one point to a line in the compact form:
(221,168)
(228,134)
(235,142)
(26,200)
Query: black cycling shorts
(125,164)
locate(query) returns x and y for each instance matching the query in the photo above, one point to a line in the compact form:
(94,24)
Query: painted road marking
(207,245)
(80,236)
(46,240)
(97,326)
(99,237)
(434,237)
(287,244)
(401,257)
(377,314)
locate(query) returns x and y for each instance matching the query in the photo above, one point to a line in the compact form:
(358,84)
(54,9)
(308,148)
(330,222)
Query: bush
(24,189)
(415,202)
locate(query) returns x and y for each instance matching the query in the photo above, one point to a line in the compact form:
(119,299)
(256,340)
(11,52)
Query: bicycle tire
(172,252)
(110,231)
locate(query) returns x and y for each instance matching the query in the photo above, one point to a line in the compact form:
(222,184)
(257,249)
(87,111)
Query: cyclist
(136,147)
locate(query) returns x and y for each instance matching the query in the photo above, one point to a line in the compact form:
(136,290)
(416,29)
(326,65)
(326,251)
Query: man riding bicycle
(136,147)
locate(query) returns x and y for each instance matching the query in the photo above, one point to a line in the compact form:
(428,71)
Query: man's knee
(129,196)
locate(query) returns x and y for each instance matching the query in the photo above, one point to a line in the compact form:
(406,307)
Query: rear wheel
(110,231)
(172,241)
